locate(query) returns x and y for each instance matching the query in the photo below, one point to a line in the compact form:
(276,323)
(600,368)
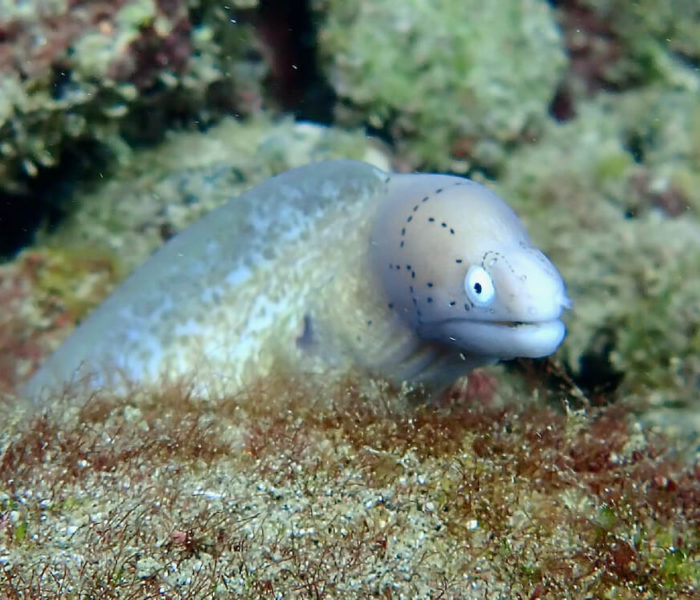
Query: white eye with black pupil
(479,286)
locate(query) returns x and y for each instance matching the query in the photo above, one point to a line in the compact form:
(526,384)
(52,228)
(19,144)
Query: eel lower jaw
(501,339)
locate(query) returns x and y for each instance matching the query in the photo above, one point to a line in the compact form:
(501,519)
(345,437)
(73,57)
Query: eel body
(328,267)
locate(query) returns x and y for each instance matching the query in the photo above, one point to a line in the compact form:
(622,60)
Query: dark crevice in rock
(289,32)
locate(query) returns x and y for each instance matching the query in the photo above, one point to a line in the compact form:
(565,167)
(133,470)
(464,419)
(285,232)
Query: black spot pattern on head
(405,234)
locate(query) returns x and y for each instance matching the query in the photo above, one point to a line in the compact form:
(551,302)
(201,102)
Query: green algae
(657,38)
(452,84)
(61,267)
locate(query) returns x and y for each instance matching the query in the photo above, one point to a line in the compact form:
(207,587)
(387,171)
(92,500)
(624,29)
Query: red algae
(342,489)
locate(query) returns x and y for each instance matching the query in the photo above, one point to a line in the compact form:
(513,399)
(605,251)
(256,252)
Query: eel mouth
(514,323)
(502,339)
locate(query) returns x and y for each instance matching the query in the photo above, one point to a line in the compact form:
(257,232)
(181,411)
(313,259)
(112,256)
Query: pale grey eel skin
(325,268)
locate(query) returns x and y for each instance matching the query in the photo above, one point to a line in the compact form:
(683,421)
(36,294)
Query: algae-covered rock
(96,72)
(652,38)
(452,83)
(43,293)
(159,192)
(612,195)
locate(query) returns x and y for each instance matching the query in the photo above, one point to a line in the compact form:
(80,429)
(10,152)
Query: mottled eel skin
(331,266)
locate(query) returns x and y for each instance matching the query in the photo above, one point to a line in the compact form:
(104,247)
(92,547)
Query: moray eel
(329,267)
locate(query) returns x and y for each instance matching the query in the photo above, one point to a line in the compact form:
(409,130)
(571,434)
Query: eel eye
(479,286)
